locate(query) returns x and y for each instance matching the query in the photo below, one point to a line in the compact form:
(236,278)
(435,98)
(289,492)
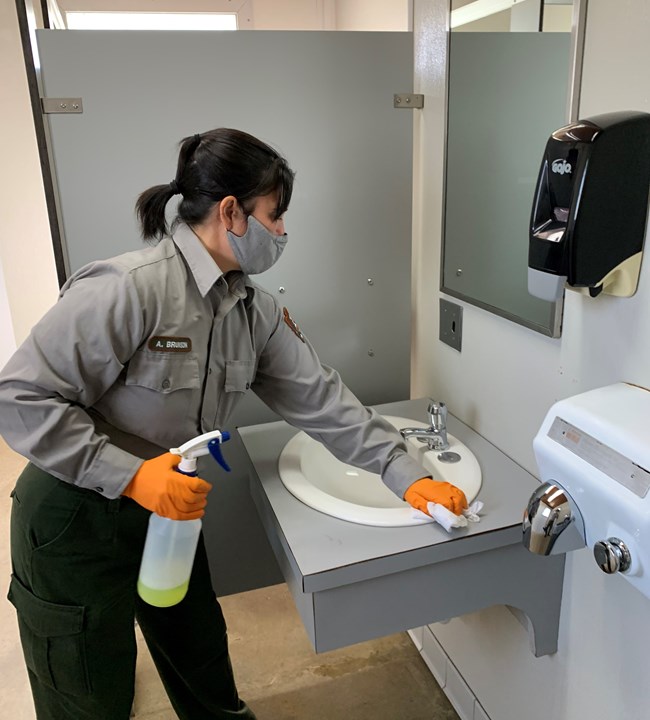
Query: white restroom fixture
(313,475)
(593,454)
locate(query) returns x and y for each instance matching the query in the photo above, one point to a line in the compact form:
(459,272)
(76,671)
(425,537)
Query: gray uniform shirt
(145,351)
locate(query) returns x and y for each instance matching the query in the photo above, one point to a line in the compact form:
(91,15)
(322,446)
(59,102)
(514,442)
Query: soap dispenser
(590,207)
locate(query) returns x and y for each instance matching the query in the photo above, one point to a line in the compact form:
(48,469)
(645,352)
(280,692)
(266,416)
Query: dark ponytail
(151,204)
(210,167)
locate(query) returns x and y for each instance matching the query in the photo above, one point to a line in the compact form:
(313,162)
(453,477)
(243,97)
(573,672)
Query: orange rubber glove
(426,490)
(159,488)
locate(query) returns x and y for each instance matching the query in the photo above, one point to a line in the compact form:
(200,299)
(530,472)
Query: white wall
(292,15)
(7,337)
(557,18)
(505,380)
(373,15)
(25,243)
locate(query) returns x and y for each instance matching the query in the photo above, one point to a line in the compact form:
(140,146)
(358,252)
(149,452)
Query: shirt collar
(202,265)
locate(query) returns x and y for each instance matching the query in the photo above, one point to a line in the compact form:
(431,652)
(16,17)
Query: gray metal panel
(304,601)
(239,552)
(325,100)
(507,94)
(385,605)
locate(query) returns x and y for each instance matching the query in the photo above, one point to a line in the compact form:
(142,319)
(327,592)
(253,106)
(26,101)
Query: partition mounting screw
(371,352)
(459,272)
(371,281)
(282,289)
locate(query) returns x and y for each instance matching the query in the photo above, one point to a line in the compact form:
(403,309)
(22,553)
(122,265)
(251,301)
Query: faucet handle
(437,412)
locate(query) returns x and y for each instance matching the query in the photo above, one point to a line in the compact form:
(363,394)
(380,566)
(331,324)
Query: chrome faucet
(436,434)
(552,521)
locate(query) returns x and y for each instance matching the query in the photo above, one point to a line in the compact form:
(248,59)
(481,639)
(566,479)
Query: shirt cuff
(112,470)
(402,472)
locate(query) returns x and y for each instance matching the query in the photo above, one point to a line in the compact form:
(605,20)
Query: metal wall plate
(62,105)
(408,100)
(451,324)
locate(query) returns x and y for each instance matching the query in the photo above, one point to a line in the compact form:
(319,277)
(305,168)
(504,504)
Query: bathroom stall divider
(325,101)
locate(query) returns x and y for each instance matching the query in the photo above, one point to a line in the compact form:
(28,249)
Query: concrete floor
(277,672)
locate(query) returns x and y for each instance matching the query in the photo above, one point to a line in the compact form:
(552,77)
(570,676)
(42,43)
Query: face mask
(257,249)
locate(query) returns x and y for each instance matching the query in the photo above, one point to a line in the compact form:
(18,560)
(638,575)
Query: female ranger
(140,353)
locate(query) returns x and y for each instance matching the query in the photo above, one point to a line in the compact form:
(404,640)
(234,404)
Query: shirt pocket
(239,375)
(160,391)
(164,372)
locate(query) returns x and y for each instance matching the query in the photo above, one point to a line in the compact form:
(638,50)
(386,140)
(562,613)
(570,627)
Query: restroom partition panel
(323,99)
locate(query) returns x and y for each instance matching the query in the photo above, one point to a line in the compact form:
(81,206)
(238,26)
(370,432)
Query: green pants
(75,558)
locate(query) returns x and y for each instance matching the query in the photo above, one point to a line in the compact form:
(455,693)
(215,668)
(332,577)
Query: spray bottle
(170,545)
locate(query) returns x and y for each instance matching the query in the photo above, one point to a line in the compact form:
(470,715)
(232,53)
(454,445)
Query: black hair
(210,167)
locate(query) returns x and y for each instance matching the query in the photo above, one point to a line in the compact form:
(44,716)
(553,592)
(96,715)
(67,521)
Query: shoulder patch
(292,324)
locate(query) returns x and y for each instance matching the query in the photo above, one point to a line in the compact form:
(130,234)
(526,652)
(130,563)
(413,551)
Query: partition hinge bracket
(62,105)
(412,101)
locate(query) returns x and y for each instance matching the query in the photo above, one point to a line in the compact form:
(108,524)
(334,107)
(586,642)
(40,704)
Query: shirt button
(209,371)
(166,384)
(248,386)
(99,489)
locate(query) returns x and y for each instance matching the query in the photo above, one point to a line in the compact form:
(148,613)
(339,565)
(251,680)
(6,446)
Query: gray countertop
(327,552)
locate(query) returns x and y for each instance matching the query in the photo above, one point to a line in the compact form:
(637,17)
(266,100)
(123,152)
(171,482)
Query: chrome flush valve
(612,555)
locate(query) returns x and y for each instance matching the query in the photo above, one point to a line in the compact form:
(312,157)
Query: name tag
(162,343)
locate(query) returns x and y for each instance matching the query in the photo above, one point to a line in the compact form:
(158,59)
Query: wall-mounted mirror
(510,69)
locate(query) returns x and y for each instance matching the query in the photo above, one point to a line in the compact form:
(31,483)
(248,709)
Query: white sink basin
(313,475)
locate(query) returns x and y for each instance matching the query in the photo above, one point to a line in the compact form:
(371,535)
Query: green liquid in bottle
(162,598)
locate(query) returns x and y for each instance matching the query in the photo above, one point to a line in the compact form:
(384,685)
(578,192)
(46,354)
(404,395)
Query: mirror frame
(554,326)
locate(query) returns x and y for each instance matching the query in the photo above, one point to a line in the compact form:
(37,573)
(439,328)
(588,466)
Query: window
(150,21)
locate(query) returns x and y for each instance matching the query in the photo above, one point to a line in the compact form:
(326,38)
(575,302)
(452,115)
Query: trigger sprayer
(170,545)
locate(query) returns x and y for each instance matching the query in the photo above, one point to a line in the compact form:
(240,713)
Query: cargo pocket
(53,640)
